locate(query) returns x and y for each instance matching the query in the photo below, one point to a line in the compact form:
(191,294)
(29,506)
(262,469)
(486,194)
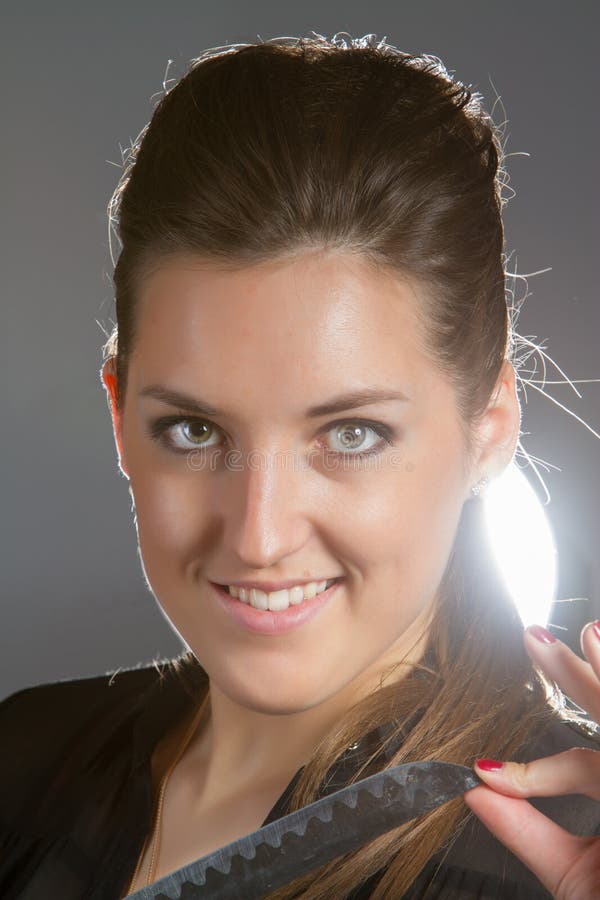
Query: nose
(267,516)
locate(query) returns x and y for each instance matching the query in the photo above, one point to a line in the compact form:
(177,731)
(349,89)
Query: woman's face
(263,346)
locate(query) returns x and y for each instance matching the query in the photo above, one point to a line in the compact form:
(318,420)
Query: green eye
(193,431)
(196,430)
(181,433)
(352,437)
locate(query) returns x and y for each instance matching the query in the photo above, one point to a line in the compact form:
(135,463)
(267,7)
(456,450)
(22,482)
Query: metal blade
(254,865)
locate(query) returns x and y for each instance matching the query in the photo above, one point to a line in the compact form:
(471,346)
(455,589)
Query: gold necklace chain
(155,832)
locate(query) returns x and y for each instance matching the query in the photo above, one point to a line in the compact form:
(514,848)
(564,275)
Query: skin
(263,344)
(566,864)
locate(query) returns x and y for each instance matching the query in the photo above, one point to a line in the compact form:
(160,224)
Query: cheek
(400,540)
(168,498)
(410,516)
(170,523)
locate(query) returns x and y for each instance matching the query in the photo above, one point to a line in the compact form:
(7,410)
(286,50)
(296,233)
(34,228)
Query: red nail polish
(489,765)
(543,636)
(596,628)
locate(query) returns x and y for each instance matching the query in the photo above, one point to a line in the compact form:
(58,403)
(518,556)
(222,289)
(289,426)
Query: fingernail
(543,636)
(596,628)
(489,765)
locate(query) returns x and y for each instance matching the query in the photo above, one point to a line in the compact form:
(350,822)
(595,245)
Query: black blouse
(76,793)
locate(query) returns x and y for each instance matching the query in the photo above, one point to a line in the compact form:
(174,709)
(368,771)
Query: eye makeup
(161,430)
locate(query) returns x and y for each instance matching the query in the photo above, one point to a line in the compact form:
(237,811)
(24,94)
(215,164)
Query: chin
(290,698)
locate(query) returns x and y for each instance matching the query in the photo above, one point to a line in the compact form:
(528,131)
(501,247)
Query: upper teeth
(277,600)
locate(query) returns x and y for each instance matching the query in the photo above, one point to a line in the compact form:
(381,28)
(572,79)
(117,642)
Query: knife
(277,853)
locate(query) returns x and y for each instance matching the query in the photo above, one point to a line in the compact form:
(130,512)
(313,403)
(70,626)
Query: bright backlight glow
(522,543)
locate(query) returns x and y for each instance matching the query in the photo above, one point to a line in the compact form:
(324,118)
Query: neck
(237,748)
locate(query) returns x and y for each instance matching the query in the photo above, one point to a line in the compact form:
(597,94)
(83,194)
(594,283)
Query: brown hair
(262,151)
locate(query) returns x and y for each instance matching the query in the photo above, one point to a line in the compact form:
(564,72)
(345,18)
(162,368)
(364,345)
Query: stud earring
(481,484)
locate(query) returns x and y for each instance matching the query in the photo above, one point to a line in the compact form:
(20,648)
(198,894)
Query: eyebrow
(342,402)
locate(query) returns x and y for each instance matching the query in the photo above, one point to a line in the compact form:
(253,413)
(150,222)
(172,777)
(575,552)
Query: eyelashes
(163,429)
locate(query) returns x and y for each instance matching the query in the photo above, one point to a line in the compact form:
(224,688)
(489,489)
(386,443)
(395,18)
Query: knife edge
(303,840)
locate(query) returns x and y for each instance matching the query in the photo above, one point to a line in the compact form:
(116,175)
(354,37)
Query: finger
(542,845)
(589,640)
(574,771)
(575,677)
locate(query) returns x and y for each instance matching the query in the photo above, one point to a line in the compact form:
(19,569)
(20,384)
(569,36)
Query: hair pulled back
(264,151)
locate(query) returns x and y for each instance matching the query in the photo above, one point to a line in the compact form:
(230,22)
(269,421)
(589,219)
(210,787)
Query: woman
(311,381)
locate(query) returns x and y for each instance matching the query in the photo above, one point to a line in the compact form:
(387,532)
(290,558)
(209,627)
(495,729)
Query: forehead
(310,325)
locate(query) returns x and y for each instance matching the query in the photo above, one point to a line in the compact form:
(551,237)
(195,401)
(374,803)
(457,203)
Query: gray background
(77,83)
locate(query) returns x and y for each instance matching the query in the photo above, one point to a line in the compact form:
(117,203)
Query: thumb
(574,771)
(541,844)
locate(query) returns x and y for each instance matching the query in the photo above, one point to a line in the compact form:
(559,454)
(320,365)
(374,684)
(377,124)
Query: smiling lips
(279,599)
(288,617)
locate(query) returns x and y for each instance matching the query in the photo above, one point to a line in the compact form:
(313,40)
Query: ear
(109,378)
(497,434)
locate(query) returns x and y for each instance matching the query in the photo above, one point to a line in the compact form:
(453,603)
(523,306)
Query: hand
(566,864)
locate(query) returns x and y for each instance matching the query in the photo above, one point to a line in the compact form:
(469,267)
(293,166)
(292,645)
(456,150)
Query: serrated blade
(254,865)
